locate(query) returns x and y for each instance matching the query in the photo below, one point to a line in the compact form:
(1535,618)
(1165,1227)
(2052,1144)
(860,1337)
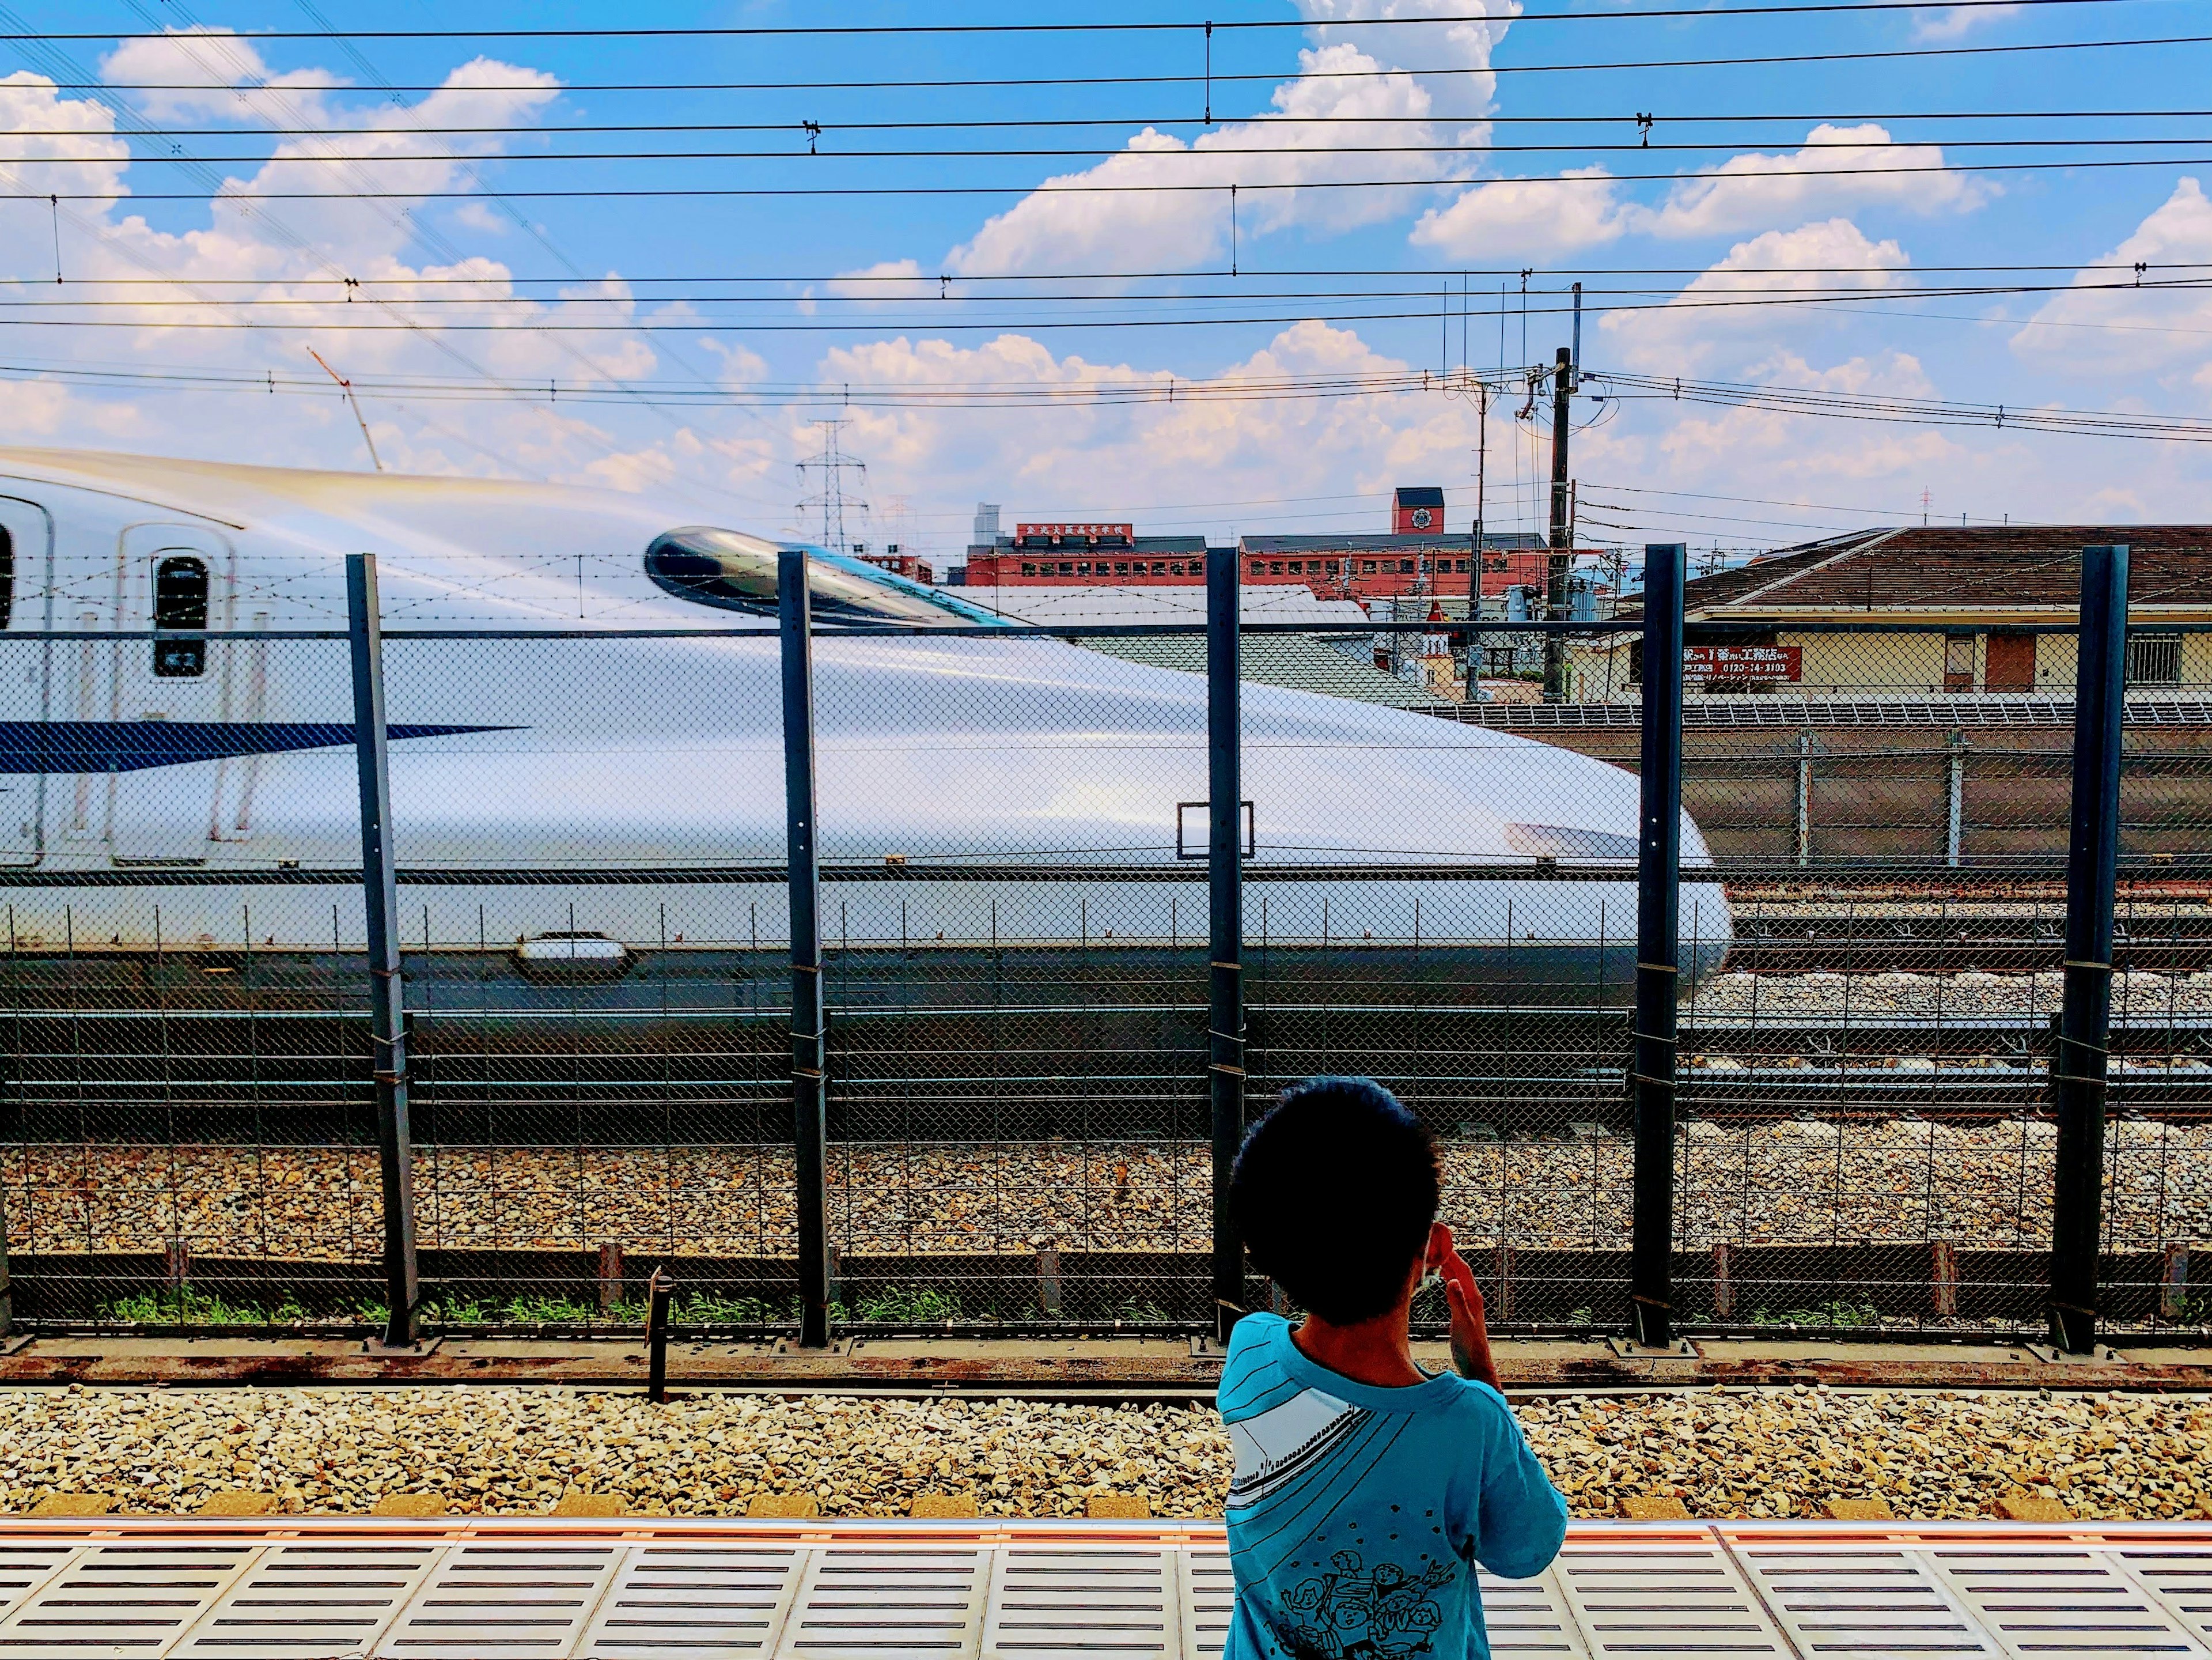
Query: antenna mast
(830,465)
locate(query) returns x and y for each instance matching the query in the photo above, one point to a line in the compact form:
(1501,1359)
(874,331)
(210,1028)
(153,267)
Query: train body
(580,792)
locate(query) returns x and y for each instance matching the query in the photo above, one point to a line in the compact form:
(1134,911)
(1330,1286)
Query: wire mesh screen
(1440,892)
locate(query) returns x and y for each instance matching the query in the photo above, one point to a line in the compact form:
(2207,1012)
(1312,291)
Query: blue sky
(808,305)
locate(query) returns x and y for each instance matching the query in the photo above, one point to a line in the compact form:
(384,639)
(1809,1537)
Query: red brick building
(1416,556)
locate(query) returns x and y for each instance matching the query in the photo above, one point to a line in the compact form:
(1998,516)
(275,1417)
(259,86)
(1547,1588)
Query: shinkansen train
(588,798)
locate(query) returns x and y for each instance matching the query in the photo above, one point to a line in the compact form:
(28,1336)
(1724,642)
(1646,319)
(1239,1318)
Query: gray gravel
(517,1451)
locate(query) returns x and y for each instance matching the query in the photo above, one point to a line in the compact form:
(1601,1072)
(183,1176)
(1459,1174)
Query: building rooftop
(2020,573)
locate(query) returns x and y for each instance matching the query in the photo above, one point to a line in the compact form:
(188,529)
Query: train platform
(329,1588)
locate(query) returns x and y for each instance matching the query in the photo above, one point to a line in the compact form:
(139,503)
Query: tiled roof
(2020,568)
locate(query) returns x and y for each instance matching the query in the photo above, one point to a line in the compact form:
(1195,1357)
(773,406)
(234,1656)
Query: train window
(180,601)
(732,571)
(7,577)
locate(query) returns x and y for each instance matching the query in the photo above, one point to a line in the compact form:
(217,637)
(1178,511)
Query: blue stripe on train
(134,745)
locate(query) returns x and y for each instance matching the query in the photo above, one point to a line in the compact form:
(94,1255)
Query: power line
(1257,25)
(1613,118)
(1161,390)
(1210,154)
(967,280)
(630,193)
(1686,300)
(1216,77)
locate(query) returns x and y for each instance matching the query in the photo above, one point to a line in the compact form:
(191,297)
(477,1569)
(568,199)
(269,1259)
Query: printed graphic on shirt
(1276,1447)
(1355,1613)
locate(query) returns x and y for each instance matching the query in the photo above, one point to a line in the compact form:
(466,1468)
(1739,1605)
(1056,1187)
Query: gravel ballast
(1725,1453)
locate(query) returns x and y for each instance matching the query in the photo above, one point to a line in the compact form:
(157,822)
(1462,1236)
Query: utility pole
(1555,583)
(1475,565)
(831,465)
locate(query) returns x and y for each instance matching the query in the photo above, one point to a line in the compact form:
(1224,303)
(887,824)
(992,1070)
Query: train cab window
(732,571)
(7,577)
(180,601)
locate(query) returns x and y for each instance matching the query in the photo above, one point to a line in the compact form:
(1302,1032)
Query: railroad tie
(1859,1509)
(2030,1507)
(73,1504)
(409,1504)
(576,1502)
(783,1507)
(1118,1507)
(1653,1507)
(944,1506)
(231,1503)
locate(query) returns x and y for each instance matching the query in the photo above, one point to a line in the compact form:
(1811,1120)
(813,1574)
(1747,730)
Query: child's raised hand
(1470,1334)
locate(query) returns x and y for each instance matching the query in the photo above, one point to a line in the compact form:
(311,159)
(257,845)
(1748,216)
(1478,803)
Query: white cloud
(2105,326)
(887,279)
(1831,172)
(1838,168)
(1314,139)
(208,74)
(1707,320)
(1952,22)
(1527,218)
(281,258)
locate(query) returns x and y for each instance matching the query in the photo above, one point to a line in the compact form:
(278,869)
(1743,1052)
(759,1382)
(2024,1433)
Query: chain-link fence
(1439,890)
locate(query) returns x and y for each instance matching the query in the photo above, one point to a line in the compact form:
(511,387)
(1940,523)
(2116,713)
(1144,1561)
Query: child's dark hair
(1334,1193)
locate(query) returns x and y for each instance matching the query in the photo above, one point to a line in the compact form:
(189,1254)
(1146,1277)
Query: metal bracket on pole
(809,1098)
(1225,946)
(1658,950)
(380,902)
(2078,1069)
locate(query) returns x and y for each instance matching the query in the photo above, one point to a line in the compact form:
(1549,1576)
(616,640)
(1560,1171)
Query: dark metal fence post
(1225,793)
(2077,1072)
(656,1293)
(380,900)
(1658,948)
(809,1106)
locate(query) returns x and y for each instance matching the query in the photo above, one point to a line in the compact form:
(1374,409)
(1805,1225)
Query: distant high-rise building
(986,524)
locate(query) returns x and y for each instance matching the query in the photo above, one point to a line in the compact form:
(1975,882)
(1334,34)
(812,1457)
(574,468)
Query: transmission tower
(831,466)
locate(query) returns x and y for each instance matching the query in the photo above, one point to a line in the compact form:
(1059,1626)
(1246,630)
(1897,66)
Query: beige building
(1988,587)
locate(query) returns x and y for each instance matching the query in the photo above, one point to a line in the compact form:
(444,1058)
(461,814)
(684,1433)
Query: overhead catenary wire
(1039,81)
(700,193)
(1050,123)
(1173,157)
(330,318)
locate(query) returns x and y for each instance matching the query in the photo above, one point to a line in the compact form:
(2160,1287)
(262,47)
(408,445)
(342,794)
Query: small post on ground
(1658,950)
(380,900)
(809,1112)
(657,1290)
(2078,1070)
(1225,954)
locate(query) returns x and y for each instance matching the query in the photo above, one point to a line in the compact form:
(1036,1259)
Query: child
(1365,1489)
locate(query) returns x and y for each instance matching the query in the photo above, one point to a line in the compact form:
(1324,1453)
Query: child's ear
(1439,1247)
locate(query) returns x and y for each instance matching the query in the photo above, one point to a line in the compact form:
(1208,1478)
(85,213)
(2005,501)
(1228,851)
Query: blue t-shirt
(1355,1513)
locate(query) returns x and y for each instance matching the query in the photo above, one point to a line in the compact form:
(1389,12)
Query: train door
(182,577)
(26,552)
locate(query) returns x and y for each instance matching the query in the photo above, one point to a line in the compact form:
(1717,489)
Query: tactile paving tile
(311,1597)
(27,1563)
(868,1600)
(1663,1599)
(1209,1594)
(484,1599)
(2181,1579)
(2070,1600)
(673,1601)
(1529,1616)
(1876,1601)
(1078,1599)
(123,1601)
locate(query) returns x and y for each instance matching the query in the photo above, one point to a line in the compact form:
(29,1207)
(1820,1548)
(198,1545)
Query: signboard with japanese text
(1743,663)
